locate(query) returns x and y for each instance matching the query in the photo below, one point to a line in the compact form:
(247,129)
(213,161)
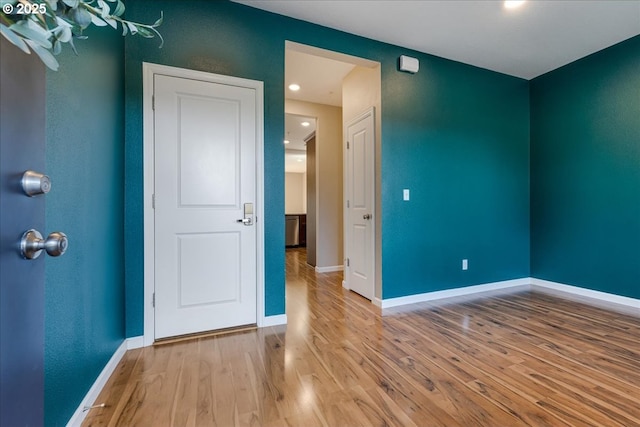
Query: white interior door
(205,186)
(360,177)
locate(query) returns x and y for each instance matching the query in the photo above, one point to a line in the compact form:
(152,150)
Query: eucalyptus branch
(42,26)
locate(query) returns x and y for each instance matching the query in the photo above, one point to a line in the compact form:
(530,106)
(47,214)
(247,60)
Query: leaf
(144,32)
(125,30)
(159,21)
(132,28)
(47,58)
(53,4)
(31,31)
(97,21)
(111,22)
(62,33)
(73,47)
(57,47)
(14,38)
(119,10)
(81,17)
(104,8)
(73,4)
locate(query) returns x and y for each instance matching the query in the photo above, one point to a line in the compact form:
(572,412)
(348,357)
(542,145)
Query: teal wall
(458,138)
(585,172)
(456,135)
(84,288)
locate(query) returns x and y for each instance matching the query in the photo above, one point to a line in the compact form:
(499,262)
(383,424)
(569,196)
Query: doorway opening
(335,89)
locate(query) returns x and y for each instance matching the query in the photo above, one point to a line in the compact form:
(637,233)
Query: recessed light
(512,4)
(294,87)
(286,141)
(300,160)
(305,124)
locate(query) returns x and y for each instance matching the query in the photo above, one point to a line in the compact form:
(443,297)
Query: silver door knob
(32,244)
(366,216)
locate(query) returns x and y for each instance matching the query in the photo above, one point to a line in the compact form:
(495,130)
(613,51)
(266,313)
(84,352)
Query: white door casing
(360,202)
(204,162)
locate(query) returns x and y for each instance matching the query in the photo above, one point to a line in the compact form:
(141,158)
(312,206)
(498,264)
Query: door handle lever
(248,214)
(366,216)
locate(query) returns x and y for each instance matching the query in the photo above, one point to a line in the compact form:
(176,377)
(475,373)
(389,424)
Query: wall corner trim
(80,414)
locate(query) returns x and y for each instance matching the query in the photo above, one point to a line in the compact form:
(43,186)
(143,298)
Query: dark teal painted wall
(458,138)
(585,173)
(456,135)
(84,315)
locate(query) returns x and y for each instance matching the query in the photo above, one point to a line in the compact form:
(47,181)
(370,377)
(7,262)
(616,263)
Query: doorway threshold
(205,334)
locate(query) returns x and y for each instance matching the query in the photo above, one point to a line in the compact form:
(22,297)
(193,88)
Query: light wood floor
(524,359)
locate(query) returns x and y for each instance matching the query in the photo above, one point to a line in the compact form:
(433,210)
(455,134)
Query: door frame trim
(149,70)
(371,111)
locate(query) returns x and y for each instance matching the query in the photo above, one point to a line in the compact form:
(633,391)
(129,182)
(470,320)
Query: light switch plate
(405,194)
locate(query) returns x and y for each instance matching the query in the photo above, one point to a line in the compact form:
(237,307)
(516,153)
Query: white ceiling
(536,38)
(320,78)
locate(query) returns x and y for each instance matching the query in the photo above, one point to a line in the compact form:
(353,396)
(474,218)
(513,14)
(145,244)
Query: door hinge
(347,203)
(348,262)
(153,201)
(153,300)
(153,102)
(347,145)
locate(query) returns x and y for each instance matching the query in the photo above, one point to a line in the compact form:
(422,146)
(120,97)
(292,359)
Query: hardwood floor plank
(499,360)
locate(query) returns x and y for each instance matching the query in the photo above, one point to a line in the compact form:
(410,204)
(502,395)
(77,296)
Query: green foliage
(42,26)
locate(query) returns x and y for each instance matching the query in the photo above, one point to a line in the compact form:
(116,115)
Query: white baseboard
(344,285)
(329,269)
(604,299)
(607,300)
(80,414)
(279,319)
(135,342)
(449,293)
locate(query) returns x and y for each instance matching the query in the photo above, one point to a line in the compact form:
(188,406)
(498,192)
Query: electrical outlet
(465,264)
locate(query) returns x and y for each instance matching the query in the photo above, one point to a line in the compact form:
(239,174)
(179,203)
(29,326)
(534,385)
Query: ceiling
(320,78)
(526,42)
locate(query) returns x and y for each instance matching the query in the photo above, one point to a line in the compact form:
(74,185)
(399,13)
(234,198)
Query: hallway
(510,360)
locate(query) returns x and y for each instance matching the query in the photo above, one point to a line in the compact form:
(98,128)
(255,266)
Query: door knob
(32,244)
(366,216)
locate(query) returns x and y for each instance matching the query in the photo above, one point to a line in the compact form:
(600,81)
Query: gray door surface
(22,147)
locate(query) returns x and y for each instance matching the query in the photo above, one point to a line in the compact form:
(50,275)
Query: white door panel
(205,260)
(361,204)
